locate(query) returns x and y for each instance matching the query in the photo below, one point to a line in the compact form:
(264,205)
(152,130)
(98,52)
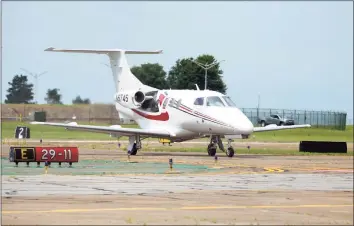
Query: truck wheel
(281,123)
(263,123)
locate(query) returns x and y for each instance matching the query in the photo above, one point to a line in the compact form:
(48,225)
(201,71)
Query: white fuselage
(178,114)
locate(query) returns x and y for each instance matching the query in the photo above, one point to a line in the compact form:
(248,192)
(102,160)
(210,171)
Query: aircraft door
(198,105)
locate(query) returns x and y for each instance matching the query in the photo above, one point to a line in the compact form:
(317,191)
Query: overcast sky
(297,55)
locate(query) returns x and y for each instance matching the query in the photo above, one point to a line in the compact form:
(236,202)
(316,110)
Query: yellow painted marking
(164,140)
(166,209)
(273,169)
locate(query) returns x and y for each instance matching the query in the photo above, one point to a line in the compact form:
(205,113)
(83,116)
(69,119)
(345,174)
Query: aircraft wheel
(230,152)
(134,150)
(211,150)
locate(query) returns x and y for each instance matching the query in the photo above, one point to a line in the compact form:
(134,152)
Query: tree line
(183,75)
(21,92)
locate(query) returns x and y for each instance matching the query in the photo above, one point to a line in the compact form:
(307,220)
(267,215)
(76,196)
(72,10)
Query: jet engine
(130,99)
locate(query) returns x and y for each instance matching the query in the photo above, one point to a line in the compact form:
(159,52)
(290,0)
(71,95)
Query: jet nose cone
(246,127)
(242,124)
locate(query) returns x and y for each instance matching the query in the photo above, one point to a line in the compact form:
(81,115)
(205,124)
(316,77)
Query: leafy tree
(186,73)
(53,96)
(20,91)
(151,75)
(79,100)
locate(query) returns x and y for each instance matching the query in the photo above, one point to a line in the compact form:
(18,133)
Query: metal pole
(36,76)
(258,106)
(206,67)
(36,88)
(206,79)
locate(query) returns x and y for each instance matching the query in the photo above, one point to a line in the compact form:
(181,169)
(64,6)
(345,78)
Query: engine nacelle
(130,99)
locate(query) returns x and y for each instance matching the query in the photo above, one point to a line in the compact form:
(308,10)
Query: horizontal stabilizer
(102,51)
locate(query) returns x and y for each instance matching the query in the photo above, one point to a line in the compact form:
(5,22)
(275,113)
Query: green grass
(50,132)
(294,135)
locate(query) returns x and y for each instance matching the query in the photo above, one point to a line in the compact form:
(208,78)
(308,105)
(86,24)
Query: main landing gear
(134,145)
(216,141)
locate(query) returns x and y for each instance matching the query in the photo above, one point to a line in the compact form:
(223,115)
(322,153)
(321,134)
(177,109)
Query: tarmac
(106,188)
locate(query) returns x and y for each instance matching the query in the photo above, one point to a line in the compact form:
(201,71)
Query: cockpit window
(199,101)
(214,101)
(229,101)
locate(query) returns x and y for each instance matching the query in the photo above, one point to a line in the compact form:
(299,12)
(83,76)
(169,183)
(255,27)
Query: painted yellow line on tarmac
(179,208)
(278,170)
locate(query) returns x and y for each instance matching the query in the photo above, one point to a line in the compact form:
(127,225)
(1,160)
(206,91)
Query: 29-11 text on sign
(57,154)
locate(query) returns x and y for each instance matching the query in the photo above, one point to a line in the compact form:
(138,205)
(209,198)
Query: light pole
(259,100)
(206,67)
(36,76)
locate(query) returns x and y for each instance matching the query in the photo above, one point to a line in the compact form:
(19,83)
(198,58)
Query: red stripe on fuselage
(164,116)
(161,98)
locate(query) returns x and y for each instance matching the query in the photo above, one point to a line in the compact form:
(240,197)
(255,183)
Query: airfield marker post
(170,161)
(46,164)
(128,156)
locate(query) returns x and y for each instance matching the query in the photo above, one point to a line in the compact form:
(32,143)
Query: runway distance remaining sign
(57,154)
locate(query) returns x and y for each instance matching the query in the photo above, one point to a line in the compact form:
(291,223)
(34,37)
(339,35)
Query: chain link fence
(106,113)
(329,119)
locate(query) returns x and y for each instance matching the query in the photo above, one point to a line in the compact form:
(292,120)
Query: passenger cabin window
(229,101)
(199,101)
(214,101)
(165,103)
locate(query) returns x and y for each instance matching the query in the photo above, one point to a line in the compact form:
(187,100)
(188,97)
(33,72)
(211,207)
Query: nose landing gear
(230,152)
(216,141)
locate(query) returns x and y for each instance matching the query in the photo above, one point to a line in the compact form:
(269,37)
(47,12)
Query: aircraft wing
(109,129)
(275,127)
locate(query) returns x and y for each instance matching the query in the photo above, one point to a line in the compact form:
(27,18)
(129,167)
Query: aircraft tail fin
(124,79)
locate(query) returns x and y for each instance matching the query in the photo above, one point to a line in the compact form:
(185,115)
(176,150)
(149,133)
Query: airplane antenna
(35,76)
(206,67)
(197,87)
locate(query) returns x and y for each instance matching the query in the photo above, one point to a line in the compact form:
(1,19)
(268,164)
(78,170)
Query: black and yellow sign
(24,154)
(22,132)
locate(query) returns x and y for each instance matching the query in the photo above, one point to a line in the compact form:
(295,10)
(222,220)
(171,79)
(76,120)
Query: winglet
(49,49)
